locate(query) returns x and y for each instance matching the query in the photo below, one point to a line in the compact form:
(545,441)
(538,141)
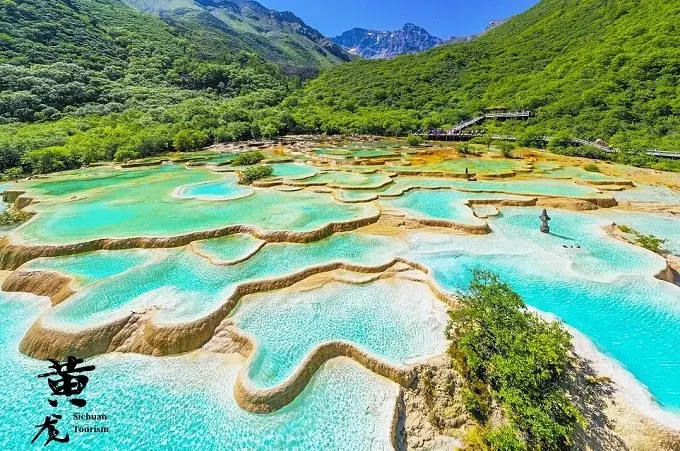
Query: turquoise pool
(601,287)
(449,205)
(397,321)
(662,226)
(146,207)
(186,403)
(227,189)
(538,187)
(183,287)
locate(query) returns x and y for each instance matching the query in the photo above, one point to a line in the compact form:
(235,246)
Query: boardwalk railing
(457,134)
(458,129)
(510,115)
(594,144)
(662,154)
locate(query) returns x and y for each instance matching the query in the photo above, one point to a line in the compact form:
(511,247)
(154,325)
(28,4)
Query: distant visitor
(545,227)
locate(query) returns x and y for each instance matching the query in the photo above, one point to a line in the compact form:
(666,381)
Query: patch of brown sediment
(505,202)
(11,195)
(567,204)
(611,188)
(668,274)
(141,164)
(267,183)
(651,207)
(41,283)
(432,409)
(474,229)
(361,188)
(23,201)
(620,183)
(578,204)
(635,430)
(450,175)
(217,262)
(674,264)
(498,175)
(44,343)
(14,255)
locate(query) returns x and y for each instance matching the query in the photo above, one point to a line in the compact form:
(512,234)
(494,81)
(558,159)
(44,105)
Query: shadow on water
(562,237)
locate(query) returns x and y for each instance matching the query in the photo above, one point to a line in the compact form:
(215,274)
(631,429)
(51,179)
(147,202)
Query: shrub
(625,228)
(650,242)
(560,142)
(189,140)
(591,167)
(530,139)
(13,173)
(252,173)
(415,140)
(506,148)
(505,438)
(12,216)
(126,153)
(49,159)
(248,159)
(465,149)
(522,359)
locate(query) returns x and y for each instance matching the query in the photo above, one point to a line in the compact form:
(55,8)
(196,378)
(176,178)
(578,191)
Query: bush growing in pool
(249,175)
(512,359)
(248,159)
(415,140)
(13,216)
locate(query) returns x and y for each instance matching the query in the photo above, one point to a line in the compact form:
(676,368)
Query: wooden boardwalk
(458,133)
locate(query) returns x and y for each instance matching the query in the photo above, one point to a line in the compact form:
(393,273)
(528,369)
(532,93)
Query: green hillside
(85,80)
(279,37)
(591,68)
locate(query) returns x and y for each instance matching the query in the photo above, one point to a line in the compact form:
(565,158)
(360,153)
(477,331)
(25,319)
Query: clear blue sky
(442,18)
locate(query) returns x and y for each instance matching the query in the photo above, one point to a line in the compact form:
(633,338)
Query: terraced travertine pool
(184,403)
(302,283)
(143,206)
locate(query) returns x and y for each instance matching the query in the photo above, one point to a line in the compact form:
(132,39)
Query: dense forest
(89,80)
(590,68)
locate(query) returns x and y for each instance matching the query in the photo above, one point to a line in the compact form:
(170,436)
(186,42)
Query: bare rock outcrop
(41,283)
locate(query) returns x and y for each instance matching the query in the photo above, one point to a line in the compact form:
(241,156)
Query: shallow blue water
(5,186)
(185,403)
(646,193)
(92,267)
(219,190)
(396,321)
(184,286)
(294,170)
(662,226)
(442,204)
(605,289)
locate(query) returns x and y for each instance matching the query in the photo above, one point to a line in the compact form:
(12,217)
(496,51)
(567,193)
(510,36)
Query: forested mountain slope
(591,68)
(84,80)
(279,37)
